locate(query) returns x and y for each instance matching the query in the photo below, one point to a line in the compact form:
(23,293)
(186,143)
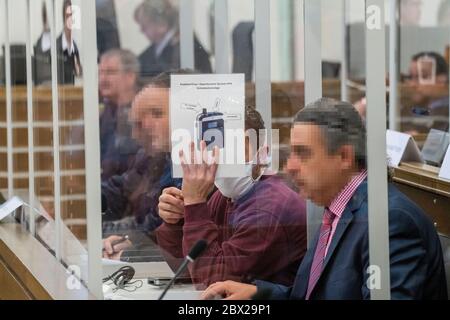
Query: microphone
(262,294)
(196,250)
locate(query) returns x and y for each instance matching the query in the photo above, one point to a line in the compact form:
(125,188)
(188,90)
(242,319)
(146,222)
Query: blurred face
(150,117)
(427,72)
(152,30)
(420,95)
(68,19)
(319,175)
(113,80)
(411,11)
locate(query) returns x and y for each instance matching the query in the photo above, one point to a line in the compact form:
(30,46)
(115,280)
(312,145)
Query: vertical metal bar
(9,130)
(344,65)
(187,34)
(30,119)
(313,50)
(393,65)
(55,112)
(263,90)
(92,145)
(376,146)
(286,19)
(221,36)
(313,86)
(298,43)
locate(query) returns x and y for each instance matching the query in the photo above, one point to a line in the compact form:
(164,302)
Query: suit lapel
(347,216)
(344,222)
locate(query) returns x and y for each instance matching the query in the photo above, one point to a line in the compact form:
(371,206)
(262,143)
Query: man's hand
(114,251)
(229,290)
(171,205)
(199,174)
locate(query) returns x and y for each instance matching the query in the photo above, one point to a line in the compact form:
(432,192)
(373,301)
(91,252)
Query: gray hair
(340,123)
(128,59)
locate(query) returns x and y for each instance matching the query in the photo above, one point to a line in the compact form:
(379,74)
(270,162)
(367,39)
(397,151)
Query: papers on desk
(401,147)
(9,207)
(444,173)
(149,292)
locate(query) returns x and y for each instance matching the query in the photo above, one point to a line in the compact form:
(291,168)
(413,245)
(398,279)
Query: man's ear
(347,154)
(131,77)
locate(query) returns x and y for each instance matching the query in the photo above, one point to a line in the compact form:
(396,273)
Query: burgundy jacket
(260,236)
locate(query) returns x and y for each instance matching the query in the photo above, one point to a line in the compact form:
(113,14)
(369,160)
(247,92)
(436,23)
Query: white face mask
(236,187)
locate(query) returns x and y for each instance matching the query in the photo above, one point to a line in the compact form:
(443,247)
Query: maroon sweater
(260,236)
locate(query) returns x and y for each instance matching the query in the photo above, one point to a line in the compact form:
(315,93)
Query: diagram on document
(210,124)
(208,108)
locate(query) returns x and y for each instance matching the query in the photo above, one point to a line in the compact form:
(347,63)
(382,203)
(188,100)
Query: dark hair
(67,3)
(340,123)
(254,121)
(441,64)
(44,14)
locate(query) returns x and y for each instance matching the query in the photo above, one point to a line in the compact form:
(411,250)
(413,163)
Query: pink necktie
(319,255)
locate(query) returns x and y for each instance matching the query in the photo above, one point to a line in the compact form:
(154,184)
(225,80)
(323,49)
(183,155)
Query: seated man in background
(428,81)
(255,225)
(424,95)
(131,199)
(328,160)
(118,85)
(158,21)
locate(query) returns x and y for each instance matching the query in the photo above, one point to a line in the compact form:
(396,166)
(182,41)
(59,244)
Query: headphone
(122,279)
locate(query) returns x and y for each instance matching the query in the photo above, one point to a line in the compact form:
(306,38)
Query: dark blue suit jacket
(416,263)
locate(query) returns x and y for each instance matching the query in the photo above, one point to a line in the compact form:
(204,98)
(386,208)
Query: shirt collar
(65,44)
(164,42)
(45,41)
(339,203)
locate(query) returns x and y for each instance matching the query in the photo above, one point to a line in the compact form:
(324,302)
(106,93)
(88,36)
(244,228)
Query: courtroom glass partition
(44,152)
(71,135)
(14,126)
(4,181)
(255,40)
(352,66)
(422,104)
(57,144)
(423,69)
(41,143)
(98,99)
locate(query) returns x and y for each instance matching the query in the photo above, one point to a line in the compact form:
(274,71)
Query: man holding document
(255,226)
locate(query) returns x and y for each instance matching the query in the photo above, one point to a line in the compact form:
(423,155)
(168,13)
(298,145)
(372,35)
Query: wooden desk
(28,271)
(422,184)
